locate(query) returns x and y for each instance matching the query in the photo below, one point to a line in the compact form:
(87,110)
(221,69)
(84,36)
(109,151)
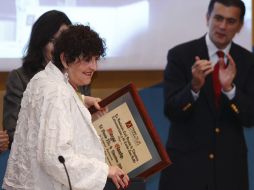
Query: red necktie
(216,82)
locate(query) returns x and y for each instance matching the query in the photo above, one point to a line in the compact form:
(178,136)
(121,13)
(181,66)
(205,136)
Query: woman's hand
(92,101)
(4,141)
(119,178)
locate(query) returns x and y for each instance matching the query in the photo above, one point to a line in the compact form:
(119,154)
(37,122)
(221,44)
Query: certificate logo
(133,133)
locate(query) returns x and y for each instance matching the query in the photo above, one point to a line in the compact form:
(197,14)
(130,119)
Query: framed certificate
(129,138)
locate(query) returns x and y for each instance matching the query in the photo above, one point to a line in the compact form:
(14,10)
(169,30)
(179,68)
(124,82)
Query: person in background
(208,91)
(53,121)
(44,32)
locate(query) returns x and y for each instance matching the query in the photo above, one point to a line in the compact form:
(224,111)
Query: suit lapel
(234,52)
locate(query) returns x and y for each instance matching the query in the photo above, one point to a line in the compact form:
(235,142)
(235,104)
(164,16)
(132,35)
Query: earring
(66,77)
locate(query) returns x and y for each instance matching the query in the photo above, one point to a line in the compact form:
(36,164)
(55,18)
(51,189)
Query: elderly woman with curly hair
(53,122)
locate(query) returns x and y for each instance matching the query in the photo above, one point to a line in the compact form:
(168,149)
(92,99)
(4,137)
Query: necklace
(81,96)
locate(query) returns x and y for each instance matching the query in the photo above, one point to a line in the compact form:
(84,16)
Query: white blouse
(53,121)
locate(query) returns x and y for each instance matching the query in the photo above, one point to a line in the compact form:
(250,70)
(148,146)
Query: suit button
(211,156)
(217,130)
(234,108)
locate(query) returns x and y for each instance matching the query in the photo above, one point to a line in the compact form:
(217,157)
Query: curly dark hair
(43,31)
(78,41)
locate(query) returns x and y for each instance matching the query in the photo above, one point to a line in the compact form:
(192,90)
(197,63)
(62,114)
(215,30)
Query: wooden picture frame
(127,124)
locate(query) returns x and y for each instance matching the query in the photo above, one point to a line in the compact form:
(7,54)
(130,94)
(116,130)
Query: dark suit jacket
(16,85)
(206,145)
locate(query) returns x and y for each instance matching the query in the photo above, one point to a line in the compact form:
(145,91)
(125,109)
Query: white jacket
(53,121)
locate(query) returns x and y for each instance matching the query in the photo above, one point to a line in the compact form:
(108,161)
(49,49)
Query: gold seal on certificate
(128,136)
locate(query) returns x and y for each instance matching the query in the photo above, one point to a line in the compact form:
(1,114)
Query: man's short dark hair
(235,3)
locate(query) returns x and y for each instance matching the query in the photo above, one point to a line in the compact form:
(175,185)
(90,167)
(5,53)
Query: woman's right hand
(4,141)
(119,178)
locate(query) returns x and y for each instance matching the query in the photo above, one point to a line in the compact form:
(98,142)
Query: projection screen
(138,33)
